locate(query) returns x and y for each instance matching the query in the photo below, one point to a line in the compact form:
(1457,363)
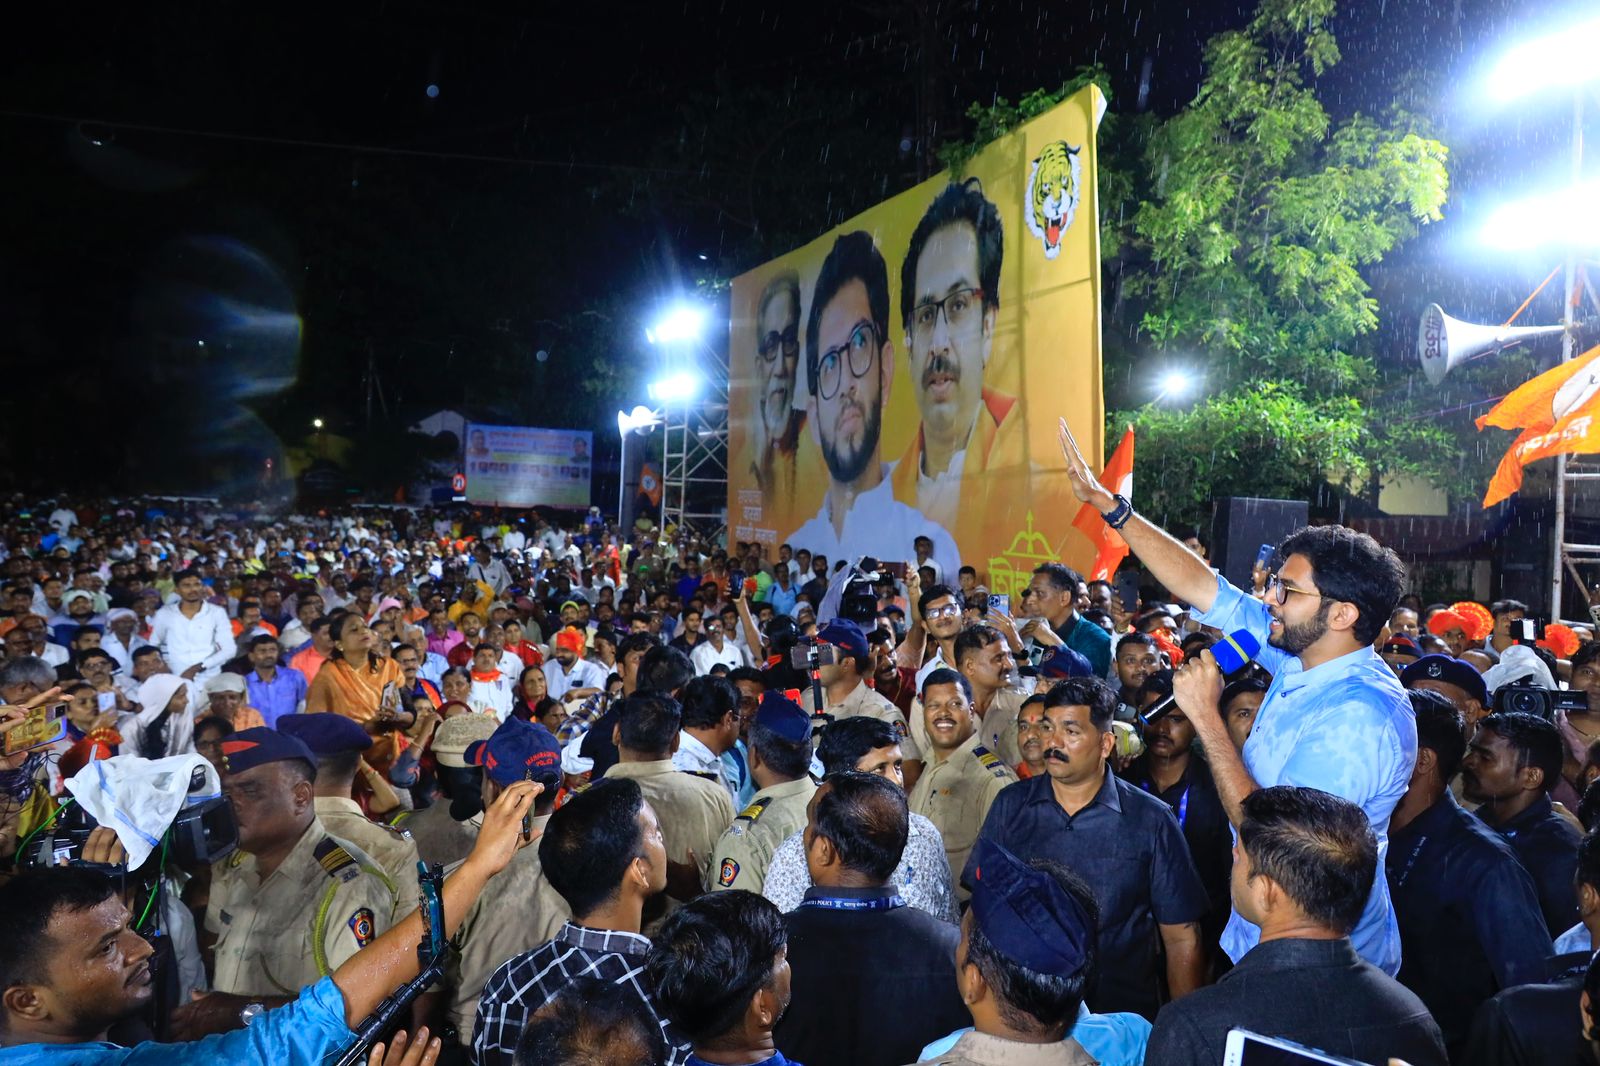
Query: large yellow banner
(901,376)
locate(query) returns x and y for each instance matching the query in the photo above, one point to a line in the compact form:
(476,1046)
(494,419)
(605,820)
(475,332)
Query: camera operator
(845,692)
(72,968)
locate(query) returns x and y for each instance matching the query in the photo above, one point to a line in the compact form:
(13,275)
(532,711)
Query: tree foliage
(1238,239)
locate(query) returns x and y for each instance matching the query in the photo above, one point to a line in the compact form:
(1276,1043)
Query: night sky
(179,174)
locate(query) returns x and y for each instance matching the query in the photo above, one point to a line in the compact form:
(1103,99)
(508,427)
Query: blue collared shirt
(1344,727)
(1116,1039)
(283,695)
(309,1030)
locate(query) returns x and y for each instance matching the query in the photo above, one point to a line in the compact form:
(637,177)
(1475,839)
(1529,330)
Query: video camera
(1522,696)
(858,600)
(203,832)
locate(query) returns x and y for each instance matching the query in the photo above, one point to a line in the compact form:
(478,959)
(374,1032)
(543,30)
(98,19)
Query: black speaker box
(1241,524)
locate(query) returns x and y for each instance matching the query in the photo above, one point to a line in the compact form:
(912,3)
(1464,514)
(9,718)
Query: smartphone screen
(736,580)
(42,725)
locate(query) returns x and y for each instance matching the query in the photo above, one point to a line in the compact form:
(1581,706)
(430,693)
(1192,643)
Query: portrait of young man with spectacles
(849,371)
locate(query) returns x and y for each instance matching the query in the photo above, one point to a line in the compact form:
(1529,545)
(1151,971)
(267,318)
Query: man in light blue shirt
(1335,717)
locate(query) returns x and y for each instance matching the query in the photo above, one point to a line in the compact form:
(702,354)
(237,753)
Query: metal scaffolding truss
(695,465)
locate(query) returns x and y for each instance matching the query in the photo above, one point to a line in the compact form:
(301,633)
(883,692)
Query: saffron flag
(1110,548)
(1558,413)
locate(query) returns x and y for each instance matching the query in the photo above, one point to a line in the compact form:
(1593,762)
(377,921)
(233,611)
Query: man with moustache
(776,430)
(850,367)
(949,302)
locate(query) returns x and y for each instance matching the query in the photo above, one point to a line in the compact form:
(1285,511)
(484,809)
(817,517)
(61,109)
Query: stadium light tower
(1560,60)
(691,395)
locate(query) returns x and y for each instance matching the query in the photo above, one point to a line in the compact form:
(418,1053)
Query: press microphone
(1233,653)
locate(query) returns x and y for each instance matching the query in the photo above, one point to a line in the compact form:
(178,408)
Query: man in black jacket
(1469,915)
(873,979)
(1302,871)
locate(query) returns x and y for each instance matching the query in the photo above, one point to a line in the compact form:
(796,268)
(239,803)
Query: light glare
(683,323)
(674,388)
(1569,217)
(1565,59)
(1176,384)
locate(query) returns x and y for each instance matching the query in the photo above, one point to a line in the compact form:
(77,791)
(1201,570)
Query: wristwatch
(1118,516)
(250,1011)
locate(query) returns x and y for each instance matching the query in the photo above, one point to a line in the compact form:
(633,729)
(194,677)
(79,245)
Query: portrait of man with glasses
(849,371)
(971,433)
(778,423)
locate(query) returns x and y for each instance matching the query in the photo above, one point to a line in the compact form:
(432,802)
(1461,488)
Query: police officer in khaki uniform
(293,902)
(693,811)
(445,831)
(983,658)
(780,761)
(518,910)
(955,791)
(1024,924)
(338,742)
(846,693)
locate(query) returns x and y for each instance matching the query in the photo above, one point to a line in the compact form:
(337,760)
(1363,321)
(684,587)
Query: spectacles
(1283,588)
(787,342)
(862,352)
(949,610)
(961,308)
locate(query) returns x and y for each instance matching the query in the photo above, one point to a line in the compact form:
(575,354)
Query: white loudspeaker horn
(1444,343)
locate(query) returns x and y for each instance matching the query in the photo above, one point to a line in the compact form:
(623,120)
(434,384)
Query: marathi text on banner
(520,466)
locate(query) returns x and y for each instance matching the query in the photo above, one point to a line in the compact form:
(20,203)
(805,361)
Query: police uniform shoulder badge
(752,812)
(361,926)
(339,863)
(990,760)
(729,872)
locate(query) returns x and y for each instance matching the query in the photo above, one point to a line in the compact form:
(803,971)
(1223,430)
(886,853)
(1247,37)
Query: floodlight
(1569,217)
(1175,385)
(316,423)
(682,323)
(675,388)
(1565,59)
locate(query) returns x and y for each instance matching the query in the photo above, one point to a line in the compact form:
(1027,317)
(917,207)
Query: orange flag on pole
(1110,548)
(1558,412)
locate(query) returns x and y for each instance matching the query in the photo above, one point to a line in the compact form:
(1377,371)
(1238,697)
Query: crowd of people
(750,805)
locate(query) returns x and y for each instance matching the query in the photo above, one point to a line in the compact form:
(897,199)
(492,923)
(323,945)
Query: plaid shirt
(528,981)
(578,722)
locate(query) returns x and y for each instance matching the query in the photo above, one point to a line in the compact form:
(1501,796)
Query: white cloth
(122,653)
(705,656)
(877,525)
(138,798)
(1574,939)
(495,575)
(1516,663)
(207,638)
(935,663)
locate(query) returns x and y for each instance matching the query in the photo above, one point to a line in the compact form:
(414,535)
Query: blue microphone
(1233,653)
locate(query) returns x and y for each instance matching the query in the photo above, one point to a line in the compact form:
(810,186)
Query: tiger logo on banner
(1053,194)
(884,377)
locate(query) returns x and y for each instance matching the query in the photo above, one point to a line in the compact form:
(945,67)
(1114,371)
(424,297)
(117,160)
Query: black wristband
(1120,513)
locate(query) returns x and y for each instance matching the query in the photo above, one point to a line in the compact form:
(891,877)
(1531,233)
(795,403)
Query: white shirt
(935,663)
(516,540)
(877,525)
(585,674)
(494,696)
(123,653)
(939,496)
(694,757)
(705,656)
(207,638)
